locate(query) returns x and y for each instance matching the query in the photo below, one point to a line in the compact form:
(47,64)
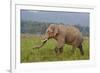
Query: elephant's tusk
(44,40)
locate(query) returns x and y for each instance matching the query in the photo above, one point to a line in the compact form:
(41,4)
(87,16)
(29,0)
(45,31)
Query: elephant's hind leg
(61,50)
(81,49)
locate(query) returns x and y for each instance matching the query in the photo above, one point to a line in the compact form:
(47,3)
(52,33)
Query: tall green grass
(46,53)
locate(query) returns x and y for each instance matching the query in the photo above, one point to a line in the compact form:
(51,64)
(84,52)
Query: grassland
(46,53)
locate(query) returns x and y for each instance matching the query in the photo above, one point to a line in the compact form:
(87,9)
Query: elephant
(70,35)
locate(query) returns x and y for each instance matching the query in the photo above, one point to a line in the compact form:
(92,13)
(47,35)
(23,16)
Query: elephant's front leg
(59,48)
(56,50)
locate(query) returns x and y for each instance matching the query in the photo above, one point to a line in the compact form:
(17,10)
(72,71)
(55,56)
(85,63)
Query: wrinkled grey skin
(64,35)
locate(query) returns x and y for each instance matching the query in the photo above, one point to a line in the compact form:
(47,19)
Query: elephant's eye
(49,31)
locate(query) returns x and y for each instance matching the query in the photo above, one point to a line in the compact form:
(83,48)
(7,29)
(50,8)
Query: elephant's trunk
(43,42)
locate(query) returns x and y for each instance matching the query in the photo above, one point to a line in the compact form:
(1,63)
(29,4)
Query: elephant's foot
(81,50)
(58,50)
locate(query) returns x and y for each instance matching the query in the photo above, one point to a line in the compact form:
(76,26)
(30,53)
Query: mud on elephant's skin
(64,35)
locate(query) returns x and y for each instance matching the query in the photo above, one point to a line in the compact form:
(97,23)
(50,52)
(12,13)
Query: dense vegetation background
(35,27)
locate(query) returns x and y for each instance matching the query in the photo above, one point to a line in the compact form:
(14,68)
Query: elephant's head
(51,32)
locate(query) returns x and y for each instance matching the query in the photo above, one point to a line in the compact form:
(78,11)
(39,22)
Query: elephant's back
(72,30)
(73,34)
(69,30)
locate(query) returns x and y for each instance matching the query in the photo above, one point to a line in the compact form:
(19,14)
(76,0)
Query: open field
(46,53)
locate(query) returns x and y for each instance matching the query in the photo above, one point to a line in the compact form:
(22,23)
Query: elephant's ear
(55,30)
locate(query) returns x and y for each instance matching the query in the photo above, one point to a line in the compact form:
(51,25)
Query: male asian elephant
(64,35)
